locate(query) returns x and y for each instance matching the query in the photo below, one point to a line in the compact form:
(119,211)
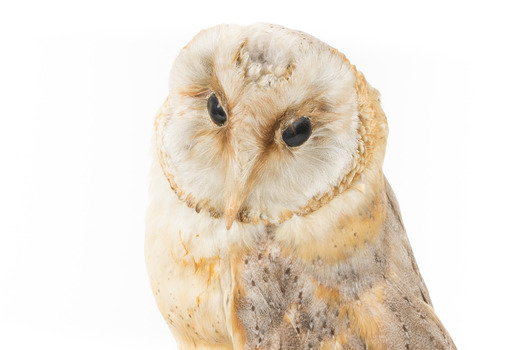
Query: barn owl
(271,224)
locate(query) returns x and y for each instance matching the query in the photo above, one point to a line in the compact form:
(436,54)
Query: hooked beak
(241,175)
(235,198)
(231,209)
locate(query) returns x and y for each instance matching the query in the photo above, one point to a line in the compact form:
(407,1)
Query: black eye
(215,110)
(298,132)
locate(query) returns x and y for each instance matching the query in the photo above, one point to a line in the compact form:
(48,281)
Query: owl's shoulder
(370,297)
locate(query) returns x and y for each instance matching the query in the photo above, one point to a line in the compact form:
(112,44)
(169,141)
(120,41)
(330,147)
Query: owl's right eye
(215,110)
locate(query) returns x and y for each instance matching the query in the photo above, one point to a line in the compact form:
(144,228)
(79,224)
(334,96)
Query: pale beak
(234,201)
(231,209)
(238,184)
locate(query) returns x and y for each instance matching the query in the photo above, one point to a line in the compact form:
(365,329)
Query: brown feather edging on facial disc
(372,131)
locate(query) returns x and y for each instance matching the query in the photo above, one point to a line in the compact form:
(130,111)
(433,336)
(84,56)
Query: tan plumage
(252,243)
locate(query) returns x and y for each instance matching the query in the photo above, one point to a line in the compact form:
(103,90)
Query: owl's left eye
(298,132)
(215,110)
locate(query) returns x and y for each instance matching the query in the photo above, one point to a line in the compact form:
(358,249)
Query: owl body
(256,241)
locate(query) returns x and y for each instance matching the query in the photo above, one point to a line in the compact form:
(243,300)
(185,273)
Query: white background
(80,83)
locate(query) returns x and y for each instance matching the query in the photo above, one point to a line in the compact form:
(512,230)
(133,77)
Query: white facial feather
(263,73)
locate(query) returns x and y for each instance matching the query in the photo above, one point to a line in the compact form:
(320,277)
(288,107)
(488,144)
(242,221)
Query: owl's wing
(394,205)
(407,304)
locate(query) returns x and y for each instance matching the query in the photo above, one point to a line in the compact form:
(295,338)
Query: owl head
(263,123)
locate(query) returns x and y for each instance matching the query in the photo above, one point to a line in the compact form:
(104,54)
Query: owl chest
(216,292)
(190,279)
